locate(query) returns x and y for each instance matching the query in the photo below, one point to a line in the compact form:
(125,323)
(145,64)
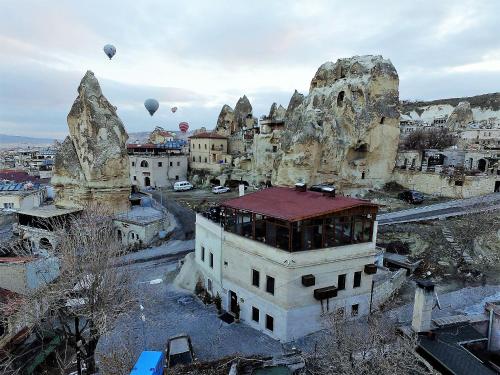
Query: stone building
(157,165)
(283,257)
(208,152)
(92,164)
(17,196)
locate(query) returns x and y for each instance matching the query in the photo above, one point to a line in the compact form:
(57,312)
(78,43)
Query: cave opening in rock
(340,98)
(362,148)
(382,119)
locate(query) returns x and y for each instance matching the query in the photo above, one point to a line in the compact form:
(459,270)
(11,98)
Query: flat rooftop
(49,211)
(292,205)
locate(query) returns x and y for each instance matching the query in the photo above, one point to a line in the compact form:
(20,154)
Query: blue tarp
(149,363)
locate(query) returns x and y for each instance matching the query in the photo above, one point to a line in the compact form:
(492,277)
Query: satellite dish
(109,50)
(151,105)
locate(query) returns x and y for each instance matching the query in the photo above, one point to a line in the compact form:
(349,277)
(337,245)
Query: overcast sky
(199,55)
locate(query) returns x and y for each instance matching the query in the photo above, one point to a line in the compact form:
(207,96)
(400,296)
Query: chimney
(328,191)
(493,310)
(422,307)
(300,186)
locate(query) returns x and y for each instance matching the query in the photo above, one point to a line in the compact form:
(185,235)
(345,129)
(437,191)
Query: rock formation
(482,109)
(92,164)
(346,129)
(460,116)
(277,113)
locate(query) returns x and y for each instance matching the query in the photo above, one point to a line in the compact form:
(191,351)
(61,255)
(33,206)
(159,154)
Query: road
(457,207)
(185,217)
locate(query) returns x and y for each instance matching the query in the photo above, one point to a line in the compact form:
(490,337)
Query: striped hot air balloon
(183,127)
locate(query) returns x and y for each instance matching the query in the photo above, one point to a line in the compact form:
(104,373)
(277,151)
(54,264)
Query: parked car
(319,187)
(179,351)
(183,186)
(411,196)
(220,189)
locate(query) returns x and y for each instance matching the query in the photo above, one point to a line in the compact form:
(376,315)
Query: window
(357,279)
(133,164)
(205,160)
(199,146)
(135,178)
(255,278)
(178,163)
(275,148)
(209,285)
(355,310)
(255,314)
(270,284)
(160,164)
(171,164)
(269,322)
(205,146)
(144,164)
(341,282)
(8,205)
(211,260)
(199,159)
(176,177)
(202,254)
(194,159)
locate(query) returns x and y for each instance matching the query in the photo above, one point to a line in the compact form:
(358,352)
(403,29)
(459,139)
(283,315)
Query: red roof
(24,259)
(291,205)
(16,176)
(212,135)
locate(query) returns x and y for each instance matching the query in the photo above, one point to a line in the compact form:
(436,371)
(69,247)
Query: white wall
(295,310)
(160,176)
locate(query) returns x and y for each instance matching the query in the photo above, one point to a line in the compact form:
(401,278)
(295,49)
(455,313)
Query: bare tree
(364,347)
(420,140)
(90,293)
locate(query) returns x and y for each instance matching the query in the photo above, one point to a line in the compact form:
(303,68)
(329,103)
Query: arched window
(194,159)
(199,159)
(144,164)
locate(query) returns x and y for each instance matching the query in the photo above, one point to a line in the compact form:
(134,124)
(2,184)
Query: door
(233,301)
(147,181)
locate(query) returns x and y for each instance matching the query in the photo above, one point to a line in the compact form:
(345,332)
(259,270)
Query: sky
(200,55)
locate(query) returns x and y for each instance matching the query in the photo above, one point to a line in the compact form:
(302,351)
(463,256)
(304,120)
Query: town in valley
(166,207)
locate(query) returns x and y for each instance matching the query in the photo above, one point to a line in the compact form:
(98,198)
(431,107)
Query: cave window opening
(363,175)
(362,148)
(340,98)
(382,119)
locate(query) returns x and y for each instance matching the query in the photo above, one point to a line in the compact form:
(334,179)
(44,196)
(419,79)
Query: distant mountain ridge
(21,140)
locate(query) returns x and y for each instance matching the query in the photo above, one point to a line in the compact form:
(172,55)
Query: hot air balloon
(174,109)
(184,126)
(151,105)
(109,50)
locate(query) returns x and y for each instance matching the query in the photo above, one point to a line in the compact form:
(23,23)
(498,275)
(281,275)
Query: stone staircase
(463,254)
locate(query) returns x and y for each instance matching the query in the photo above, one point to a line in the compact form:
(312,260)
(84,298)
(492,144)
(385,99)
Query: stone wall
(446,186)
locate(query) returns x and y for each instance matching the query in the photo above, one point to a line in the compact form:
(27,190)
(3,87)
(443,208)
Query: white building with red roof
(284,258)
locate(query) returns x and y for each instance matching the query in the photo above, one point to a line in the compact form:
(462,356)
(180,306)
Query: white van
(182,186)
